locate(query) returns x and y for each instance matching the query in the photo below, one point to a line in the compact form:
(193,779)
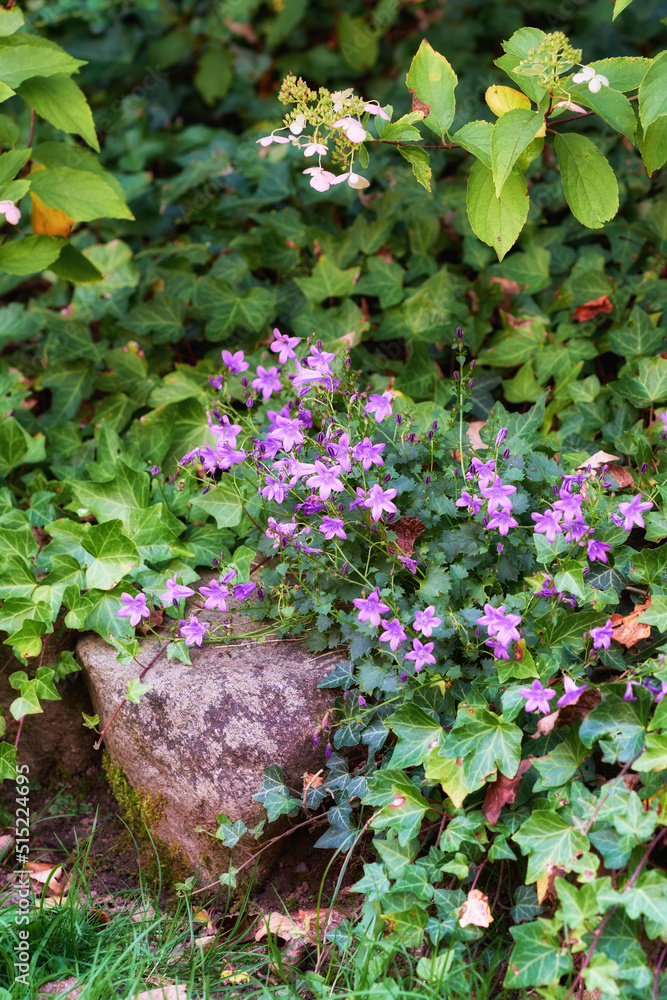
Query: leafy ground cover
(452,441)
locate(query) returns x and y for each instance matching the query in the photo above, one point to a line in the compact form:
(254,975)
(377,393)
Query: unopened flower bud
(430,435)
(328,751)
(399,419)
(346,693)
(348,364)
(478,632)
(250,403)
(459,333)
(506,454)
(154,470)
(216,562)
(435,425)
(244,382)
(362,701)
(341,508)
(456,473)
(260,593)
(471,383)
(403,677)
(412,438)
(485,522)
(319,345)
(320,438)
(316,737)
(472,364)
(500,548)
(502,434)
(644,468)
(290,405)
(345,568)
(427,481)
(456,376)
(387,478)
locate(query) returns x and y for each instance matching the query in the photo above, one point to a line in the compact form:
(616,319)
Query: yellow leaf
(48,221)
(476,910)
(504,99)
(234,980)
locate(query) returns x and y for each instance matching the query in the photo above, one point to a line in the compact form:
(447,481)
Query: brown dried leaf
(50,875)
(517,323)
(476,910)
(546,723)
(596,461)
(6,840)
(545,886)
(502,792)
(627,630)
(244,29)
(418,105)
(474,427)
(509,289)
(302,925)
(589,310)
(585,703)
(408,530)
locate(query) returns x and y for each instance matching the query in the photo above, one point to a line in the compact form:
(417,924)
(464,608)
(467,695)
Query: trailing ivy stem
(124,701)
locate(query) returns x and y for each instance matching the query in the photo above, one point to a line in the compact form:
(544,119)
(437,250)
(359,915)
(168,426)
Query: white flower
(352,129)
(266,140)
(10,212)
(298,125)
(571,105)
(354,180)
(594,80)
(340,99)
(320,178)
(315,147)
(375,109)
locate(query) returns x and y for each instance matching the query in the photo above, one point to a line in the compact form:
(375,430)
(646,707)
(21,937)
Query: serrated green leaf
(496,221)
(475,137)
(82,194)
(485,742)
(512,133)
(114,554)
(652,91)
(420,161)
(432,81)
(538,957)
(23,56)
(30,254)
(58,99)
(590,185)
(548,839)
(648,386)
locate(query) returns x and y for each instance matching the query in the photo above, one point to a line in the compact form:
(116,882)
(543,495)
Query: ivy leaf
(638,335)
(114,554)
(648,386)
(416,730)
(538,957)
(222,503)
(548,839)
(496,220)
(120,499)
(229,833)
(449,772)
(648,898)
(135,689)
(27,703)
(485,742)
(571,628)
(27,640)
(590,185)
(7,761)
(327,281)
(396,856)
(512,133)
(432,81)
(623,722)
(162,316)
(275,796)
(226,310)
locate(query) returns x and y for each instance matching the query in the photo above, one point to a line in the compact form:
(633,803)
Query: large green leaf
(127,492)
(652,142)
(82,194)
(432,82)
(223,503)
(226,310)
(620,724)
(416,730)
(588,180)
(648,386)
(512,133)
(638,335)
(652,91)
(538,957)
(327,281)
(485,742)
(23,56)
(548,839)
(58,99)
(496,221)
(475,137)
(114,554)
(162,316)
(30,254)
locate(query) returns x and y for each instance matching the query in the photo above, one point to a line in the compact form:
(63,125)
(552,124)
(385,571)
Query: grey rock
(196,744)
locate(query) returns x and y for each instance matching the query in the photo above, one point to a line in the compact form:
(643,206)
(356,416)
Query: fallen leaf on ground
(407,530)
(50,875)
(545,724)
(474,427)
(6,840)
(509,289)
(589,310)
(143,912)
(596,462)
(232,978)
(545,886)
(305,924)
(476,910)
(515,323)
(585,703)
(503,791)
(627,630)
(167,992)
